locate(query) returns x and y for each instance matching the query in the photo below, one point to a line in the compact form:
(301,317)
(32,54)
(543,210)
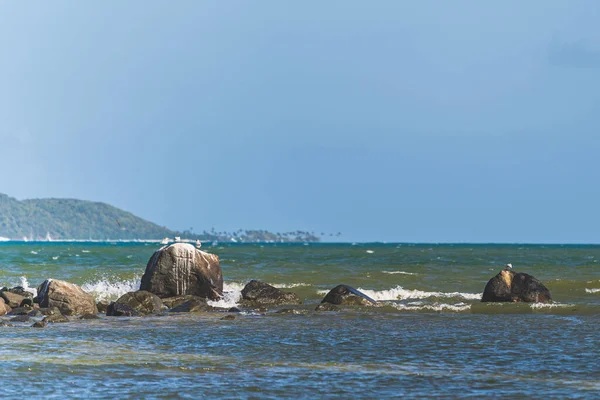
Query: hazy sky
(393,120)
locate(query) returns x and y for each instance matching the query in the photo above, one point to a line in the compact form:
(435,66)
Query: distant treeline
(39,219)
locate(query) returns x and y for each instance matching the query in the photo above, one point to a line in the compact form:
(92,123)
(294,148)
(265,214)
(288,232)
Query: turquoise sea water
(430,336)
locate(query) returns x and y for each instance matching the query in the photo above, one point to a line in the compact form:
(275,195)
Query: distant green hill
(86,220)
(72,219)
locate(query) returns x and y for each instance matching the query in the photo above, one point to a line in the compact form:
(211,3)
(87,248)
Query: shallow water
(430,337)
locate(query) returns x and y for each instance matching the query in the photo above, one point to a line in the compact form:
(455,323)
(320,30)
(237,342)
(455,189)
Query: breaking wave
(107,289)
(437,307)
(399,293)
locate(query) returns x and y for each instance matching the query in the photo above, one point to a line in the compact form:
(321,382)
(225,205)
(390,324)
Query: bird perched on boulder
(198,244)
(508,267)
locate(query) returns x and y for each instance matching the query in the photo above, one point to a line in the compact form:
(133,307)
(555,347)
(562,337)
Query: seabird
(508,267)
(198,243)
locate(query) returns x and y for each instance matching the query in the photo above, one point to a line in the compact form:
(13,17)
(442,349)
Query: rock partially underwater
(135,303)
(181,269)
(348,296)
(509,286)
(69,298)
(258,294)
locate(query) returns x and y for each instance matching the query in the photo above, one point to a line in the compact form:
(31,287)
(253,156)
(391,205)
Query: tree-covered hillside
(86,220)
(72,219)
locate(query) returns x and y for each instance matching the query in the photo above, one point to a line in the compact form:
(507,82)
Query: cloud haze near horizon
(424,121)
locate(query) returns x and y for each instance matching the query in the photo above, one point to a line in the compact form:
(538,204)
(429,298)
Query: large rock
(347,296)
(257,293)
(143,302)
(69,298)
(181,269)
(509,286)
(4,309)
(12,299)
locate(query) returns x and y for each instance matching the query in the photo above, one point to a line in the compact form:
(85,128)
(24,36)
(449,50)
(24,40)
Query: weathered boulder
(180,269)
(18,290)
(12,299)
(192,304)
(509,286)
(347,296)
(142,302)
(4,309)
(257,293)
(67,297)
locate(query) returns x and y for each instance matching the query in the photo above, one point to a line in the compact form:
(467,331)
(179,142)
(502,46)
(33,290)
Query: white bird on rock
(508,267)
(198,244)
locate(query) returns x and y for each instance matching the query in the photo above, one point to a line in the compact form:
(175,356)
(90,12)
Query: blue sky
(391,120)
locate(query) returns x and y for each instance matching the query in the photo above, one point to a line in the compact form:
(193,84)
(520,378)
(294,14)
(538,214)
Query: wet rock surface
(181,269)
(510,286)
(257,293)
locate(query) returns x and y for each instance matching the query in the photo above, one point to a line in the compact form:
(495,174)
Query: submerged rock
(142,302)
(327,307)
(120,310)
(21,318)
(509,286)
(347,296)
(56,319)
(181,269)
(257,293)
(67,297)
(193,304)
(40,324)
(172,302)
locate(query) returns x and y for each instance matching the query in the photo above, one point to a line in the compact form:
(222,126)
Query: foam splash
(399,293)
(109,290)
(592,290)
(232,294)
(26,287)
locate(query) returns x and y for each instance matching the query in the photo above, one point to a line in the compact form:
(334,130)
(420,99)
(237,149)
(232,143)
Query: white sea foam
(33,252)
(289,285)
(398,272)
(596,290)
(25,286)
(548,305)
(399,293)
(439,307)
(232,294)
(110,290)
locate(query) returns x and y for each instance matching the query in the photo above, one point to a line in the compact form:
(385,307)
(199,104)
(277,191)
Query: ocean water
(429,337)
